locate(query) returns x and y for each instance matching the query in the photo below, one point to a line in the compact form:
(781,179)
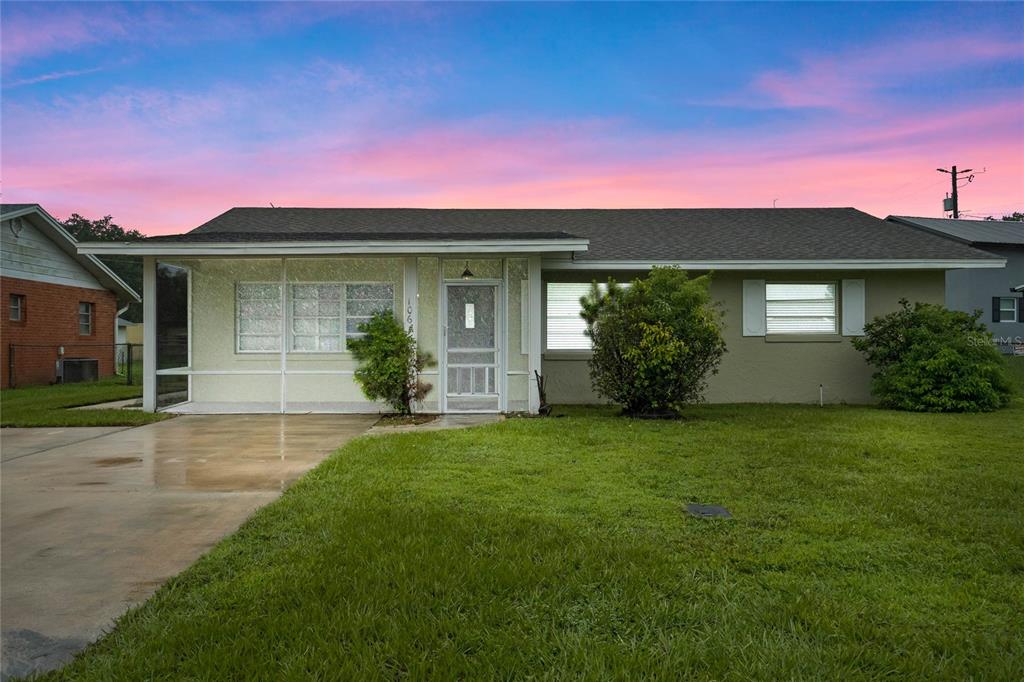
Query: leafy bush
(930,359)
(655,343)
(389,363)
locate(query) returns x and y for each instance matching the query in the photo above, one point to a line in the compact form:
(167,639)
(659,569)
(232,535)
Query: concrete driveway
(94,520)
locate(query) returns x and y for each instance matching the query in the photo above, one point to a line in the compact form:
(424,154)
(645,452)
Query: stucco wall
(972,289)
(758,370)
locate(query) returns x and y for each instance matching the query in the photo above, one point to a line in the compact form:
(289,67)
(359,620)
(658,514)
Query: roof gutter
(337,248)
(795,264)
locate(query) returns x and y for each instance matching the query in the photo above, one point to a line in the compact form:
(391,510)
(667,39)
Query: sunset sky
(165,115)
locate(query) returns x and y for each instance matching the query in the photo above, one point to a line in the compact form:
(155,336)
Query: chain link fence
(37,364)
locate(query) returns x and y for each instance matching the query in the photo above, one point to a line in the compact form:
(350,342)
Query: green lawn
(865,544)
(48,405)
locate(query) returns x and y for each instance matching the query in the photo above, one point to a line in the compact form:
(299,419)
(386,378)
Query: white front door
(472,358)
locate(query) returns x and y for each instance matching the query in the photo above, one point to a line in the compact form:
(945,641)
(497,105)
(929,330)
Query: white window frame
(1016,309)
(836,321)
(16,305)
(288,316)
(238,320)
(88,315)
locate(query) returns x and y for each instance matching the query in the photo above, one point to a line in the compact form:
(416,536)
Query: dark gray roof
(221,237)
(13,208)
(987,232)
(614,234)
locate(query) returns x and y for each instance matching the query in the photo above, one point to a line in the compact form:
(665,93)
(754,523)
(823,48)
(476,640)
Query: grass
(49,405)
(865,544)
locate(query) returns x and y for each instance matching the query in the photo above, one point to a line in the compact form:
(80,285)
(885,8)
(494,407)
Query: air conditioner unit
(75,370)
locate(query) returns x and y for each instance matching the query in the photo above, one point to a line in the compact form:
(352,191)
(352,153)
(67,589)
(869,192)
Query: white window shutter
(853,307)
(753,307)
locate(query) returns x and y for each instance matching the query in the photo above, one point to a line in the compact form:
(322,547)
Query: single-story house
(62,305)
(997,293)
(261,302)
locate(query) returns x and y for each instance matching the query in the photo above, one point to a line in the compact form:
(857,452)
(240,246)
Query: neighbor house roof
(52,228)
(755,235)
(980,232)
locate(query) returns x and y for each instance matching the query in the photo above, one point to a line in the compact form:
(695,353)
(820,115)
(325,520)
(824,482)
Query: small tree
(655,343)
(930,359)
(390,363)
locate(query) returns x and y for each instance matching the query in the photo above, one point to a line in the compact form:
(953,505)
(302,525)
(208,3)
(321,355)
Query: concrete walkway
(442,423)
(94,520)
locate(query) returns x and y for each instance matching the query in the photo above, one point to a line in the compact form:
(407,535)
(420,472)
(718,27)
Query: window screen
(801,308)
(316,317)
(17,309)
(362,301)
(1008,309)
(258,308)
(85,318)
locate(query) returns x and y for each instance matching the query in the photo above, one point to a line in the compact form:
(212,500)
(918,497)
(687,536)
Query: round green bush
(655,342)
(930,359)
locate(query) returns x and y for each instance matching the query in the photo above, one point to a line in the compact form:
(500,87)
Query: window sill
(567,355)
(803,338)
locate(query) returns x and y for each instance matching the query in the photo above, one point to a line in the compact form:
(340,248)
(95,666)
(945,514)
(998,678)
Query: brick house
(56,300)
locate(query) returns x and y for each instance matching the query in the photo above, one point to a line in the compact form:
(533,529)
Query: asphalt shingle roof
(614,234)
(995,232)
(11,208)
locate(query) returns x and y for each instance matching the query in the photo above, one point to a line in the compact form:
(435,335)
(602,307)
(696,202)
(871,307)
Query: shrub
(389,363)
(655,343)
(930,359)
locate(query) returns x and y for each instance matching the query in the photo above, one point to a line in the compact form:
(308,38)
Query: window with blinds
(801,308)
(566,330)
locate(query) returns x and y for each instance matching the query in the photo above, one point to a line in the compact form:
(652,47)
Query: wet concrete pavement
(93,523)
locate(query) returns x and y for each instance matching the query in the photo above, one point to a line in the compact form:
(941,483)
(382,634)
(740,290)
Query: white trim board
(837,264)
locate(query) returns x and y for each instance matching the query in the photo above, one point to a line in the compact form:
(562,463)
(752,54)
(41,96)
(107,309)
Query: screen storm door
(471,349)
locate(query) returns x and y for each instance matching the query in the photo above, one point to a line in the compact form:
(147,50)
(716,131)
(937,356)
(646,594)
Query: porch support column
(535,332)
(149,334)
(410,296)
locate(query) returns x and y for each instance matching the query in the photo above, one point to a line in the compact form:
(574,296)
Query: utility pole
(953,174)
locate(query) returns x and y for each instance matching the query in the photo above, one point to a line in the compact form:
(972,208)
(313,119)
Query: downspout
(117,316)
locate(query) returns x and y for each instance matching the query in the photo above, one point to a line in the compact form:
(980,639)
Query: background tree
(655,343)
(128,268)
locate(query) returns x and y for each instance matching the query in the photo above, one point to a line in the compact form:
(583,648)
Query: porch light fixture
(467,273)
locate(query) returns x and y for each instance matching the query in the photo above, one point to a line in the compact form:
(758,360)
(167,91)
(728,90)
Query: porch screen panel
(427,326)
(172,351)
(236,334)
(518,336)
(327,297)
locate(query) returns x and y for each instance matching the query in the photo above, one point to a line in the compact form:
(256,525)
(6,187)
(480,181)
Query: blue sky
(165,114)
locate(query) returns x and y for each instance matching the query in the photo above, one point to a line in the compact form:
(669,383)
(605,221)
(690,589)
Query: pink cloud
(849,82)
(167,184)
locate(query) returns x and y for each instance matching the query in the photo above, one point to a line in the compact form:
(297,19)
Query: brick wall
(50,318)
